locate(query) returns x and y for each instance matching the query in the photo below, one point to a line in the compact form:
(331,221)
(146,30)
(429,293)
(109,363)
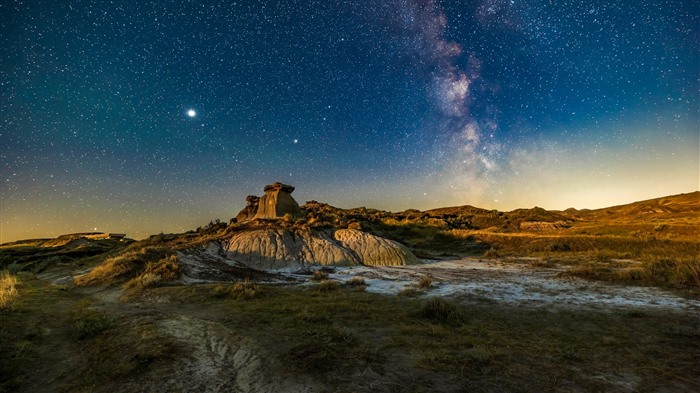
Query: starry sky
(149,116)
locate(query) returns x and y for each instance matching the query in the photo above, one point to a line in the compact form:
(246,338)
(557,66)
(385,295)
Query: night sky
(142,116)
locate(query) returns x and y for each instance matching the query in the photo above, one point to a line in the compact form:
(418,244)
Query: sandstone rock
(374,250)
(543,225)
(277,202)
(281,248)
(248,212)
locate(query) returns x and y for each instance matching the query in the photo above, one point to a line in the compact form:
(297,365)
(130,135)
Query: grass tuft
(128,265)
(327,285)
(425,283)
(440,310)
(88,323)
(319,276)
(241,290)
(357,282)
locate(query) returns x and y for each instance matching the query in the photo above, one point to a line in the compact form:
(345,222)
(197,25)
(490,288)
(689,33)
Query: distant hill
(681,206)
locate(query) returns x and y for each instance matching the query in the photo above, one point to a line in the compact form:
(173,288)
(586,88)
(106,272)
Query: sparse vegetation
(443,311)
(426,282)
(241,290)
(319,275)
(88,322)
(681,274)
(357,282)
(130,264)
(8,289)
(327,285)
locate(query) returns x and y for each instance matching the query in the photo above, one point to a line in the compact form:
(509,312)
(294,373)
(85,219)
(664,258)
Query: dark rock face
(278,202)
(248,212)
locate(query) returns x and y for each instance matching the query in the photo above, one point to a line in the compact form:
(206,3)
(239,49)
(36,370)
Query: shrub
(319,275)
(145,280)
(442,311)
(425,283)
(8,289)
(244,290)
(409,291)
(558,246)
(327,285)
(241,290)
(356,282)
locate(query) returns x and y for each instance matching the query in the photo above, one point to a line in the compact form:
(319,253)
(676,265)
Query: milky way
(142,117)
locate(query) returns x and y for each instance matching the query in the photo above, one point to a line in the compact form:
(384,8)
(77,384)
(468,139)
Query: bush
(425,283)
(442,311)
(356,282)
(319,275)
(241,290)
(327,285)
(558,246)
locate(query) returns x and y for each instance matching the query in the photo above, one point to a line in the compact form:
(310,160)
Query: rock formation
(248,212)
(281,248)
(278,202)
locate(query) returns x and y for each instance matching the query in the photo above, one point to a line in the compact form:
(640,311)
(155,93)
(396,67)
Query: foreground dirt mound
(283,248)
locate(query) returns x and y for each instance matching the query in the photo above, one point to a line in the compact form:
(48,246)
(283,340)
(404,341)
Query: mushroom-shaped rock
(278,202)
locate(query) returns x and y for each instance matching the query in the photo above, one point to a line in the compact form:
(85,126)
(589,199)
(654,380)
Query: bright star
(296,141)
(191,113)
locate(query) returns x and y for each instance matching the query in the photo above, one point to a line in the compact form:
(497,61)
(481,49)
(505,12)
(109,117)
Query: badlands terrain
(313,298)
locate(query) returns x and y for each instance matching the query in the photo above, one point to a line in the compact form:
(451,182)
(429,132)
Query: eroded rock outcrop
(249,211)
(278,202)
(282,248)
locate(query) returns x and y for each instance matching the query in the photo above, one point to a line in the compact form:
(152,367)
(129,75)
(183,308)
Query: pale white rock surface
(281,248)
(374,250)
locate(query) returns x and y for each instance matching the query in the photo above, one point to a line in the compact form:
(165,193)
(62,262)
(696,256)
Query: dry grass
(681,274)
(426,282)
(164,269)
(327,285)
(87,322)
(439,310)
(242,290)
(8,289)
(319,276)
(357,282)
(130,264)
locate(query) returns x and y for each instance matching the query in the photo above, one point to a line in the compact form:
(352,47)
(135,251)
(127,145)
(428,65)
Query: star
(191,113)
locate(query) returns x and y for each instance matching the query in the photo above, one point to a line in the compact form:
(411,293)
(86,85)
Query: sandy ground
(515,283)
